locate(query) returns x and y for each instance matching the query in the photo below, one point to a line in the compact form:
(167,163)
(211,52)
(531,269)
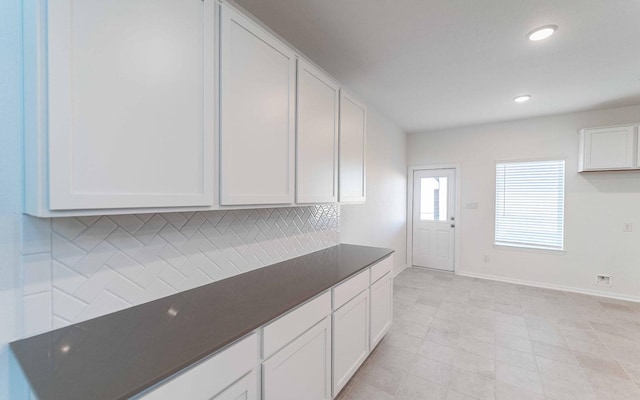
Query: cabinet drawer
(381,268)
(284,330)
(198,381)
(350,289)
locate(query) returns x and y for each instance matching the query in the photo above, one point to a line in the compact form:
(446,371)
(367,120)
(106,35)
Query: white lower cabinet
(302,369)
(309,353)
(219,377)
(350,339)
(244,389)
(381,308)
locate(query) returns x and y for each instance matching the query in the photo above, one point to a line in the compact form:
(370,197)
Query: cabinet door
(352,181)
(244,389)
(130,100)
(350,339)
(257,112)
(609,148)
(317,137)
(381,308)
(301,370)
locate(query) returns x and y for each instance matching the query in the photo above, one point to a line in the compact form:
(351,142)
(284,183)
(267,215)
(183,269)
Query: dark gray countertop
(121,354)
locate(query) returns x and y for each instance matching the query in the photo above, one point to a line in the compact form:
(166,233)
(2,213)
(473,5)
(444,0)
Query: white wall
(10,183)
(596,204)
(381,221)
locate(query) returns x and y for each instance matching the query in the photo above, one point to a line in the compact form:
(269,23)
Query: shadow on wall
(615,103)
(614,182)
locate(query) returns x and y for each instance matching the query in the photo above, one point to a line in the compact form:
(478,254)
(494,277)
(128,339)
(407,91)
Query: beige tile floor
(457,338)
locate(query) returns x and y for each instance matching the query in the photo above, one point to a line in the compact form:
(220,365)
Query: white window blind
(530,204)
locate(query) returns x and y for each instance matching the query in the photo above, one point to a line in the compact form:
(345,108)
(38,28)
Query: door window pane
(433,199)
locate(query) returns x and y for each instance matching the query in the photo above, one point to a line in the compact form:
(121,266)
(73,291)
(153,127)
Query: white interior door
(433,218)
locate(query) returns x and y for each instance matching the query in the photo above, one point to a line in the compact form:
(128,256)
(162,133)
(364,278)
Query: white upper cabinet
(257,112)
(137,106)
(609,148)
(119,97)
(317,137)
(352,166)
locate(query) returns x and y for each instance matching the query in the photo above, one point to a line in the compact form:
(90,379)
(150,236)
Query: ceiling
(433,64)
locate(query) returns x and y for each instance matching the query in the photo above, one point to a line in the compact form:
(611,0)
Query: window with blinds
(530,204)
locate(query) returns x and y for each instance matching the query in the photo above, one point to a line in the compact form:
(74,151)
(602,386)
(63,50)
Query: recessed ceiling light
(523,98)
(542,32)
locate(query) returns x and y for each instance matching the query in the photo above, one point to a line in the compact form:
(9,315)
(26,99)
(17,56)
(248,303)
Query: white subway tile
(66,279)
(129,223)
(95,285)
(129,259)
(65,251)
(66,306)
(68,228)
(95,234)
(105,303)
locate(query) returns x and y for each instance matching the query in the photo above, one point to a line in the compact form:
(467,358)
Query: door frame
(456,240)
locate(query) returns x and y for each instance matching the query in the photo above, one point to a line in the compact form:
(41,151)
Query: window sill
(530,249)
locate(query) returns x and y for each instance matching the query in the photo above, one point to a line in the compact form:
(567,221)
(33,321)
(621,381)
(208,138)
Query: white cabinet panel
(301,370)
(350,339)
(283,330)
(637,163)
(130,103)
(352,166)
(381,268)
(608,148)
(350,288)
(212,376)
(316,137)
(244,389)
(381,308)
(257,112)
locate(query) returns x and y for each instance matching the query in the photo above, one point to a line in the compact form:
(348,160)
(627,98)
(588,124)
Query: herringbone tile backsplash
(103,264)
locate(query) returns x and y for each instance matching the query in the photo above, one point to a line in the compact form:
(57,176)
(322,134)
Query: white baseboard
(549,286)
(402,268)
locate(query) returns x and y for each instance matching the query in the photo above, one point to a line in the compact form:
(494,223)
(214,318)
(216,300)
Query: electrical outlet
(471,206)
(627,227)
(603,280)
